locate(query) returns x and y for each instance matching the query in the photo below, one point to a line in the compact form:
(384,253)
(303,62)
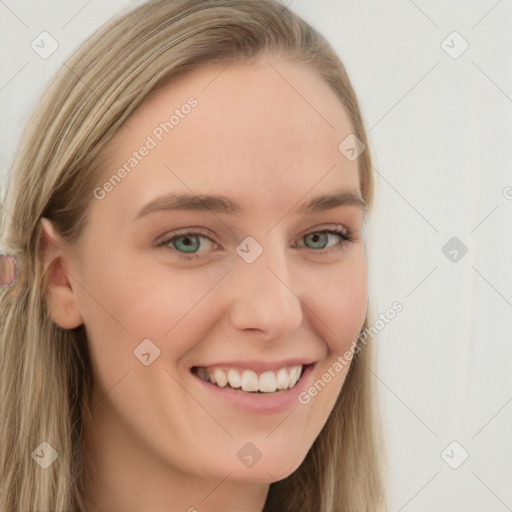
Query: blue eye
(188,244)
(322,237)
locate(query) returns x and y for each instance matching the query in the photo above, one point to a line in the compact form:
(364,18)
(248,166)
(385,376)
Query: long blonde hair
(45,371)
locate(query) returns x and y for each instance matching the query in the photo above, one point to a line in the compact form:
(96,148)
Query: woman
(186,213)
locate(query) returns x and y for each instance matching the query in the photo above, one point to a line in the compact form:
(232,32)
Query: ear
(59,294)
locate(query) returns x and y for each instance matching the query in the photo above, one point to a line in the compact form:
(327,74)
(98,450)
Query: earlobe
(59,294)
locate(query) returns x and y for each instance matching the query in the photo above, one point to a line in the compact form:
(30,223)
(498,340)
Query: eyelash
(345,235)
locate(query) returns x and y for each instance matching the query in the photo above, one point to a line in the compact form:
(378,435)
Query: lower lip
(261,403)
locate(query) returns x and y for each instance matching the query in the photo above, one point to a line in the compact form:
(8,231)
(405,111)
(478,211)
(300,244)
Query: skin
(161,441)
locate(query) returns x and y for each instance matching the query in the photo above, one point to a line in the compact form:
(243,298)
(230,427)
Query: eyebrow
(223,204)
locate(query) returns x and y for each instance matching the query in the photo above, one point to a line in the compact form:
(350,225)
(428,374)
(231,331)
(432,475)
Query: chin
(265,472)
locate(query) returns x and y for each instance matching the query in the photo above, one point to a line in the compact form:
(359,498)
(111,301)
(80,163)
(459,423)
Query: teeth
(233,378)
(202,373)
(268,382)
(220,377)
(247,380)
(282,379)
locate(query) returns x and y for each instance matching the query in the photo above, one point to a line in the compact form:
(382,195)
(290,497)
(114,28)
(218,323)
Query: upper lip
(258,366)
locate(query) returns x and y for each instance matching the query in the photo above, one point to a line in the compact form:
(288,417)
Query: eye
(187,244)
(320,239)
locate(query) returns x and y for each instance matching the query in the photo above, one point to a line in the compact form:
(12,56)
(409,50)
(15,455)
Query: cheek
(136,299)
(339,302)
(338,309)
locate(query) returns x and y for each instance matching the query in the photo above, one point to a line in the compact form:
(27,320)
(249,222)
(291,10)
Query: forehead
(270,128)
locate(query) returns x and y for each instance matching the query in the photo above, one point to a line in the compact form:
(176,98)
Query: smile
(249,381)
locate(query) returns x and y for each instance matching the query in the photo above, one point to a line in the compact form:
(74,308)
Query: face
(238,287)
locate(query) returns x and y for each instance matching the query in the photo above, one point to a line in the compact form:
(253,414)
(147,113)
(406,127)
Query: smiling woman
(159,342)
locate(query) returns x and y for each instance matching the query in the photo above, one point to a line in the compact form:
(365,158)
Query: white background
(441,136)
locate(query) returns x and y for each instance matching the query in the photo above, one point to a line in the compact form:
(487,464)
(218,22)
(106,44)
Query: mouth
(251,382)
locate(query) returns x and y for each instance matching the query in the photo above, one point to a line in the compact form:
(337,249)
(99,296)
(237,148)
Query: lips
(258,402)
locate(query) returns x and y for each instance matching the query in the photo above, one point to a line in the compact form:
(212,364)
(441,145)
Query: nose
(263,297)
